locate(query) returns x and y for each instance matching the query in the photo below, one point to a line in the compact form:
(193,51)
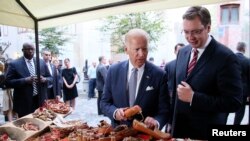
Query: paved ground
(86,110)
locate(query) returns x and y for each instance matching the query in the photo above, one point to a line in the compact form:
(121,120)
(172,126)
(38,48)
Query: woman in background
(7,97)
(69,76)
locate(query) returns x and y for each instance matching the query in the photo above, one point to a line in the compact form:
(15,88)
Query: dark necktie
(193,61)
(132,86)
(32,73)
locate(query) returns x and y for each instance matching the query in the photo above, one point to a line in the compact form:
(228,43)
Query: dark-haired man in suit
(136,82)
(208,83)
(53,91)
(21,75)
(101,74)
(245,74)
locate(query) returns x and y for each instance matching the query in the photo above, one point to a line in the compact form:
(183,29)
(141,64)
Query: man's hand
(119,114)
(151,123)
(43,79)
(30,79)
(185,92)
(58,97)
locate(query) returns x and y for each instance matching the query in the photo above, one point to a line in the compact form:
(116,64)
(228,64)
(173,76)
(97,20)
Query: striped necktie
(32,73)
(193,61)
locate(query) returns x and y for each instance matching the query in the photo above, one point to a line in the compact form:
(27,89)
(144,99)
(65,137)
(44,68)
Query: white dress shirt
(201,49)
(139,75)
(49,67)
(31,61)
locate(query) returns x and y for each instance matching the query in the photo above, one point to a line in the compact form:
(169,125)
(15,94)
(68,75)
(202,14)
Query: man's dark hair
(26,45)
(179,44)
(151,59)
(100,58)
(241,46)
(198,11)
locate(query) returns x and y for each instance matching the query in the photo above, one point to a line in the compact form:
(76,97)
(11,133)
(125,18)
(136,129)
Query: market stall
(47,123)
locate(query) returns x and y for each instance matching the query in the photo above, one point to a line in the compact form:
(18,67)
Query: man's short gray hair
(46,49)
(136,32)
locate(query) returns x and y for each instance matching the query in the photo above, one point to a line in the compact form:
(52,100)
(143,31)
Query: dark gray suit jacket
(216,83)
(57,82)
(244,64)
(170,71)
(101,74)
(23,92)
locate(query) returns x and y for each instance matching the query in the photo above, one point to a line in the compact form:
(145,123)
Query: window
(230,14)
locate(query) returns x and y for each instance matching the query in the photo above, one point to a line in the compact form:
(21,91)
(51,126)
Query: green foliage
(51,38)
(117,26)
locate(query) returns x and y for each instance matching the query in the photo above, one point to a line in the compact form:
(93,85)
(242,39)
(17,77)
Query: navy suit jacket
(248,79)
(216,83)
(170,71)
(57,84)
(245,73)
(22,95)
(154,103)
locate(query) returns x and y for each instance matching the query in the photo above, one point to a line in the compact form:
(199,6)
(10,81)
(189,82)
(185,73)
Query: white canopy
(50,13)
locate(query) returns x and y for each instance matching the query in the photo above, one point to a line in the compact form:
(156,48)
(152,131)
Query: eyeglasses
(195,32)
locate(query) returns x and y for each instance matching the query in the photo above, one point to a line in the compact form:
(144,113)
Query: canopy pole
(38,62)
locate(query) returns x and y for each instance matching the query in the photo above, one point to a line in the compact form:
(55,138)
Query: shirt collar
(205,45)
(27,60)
(130,67)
